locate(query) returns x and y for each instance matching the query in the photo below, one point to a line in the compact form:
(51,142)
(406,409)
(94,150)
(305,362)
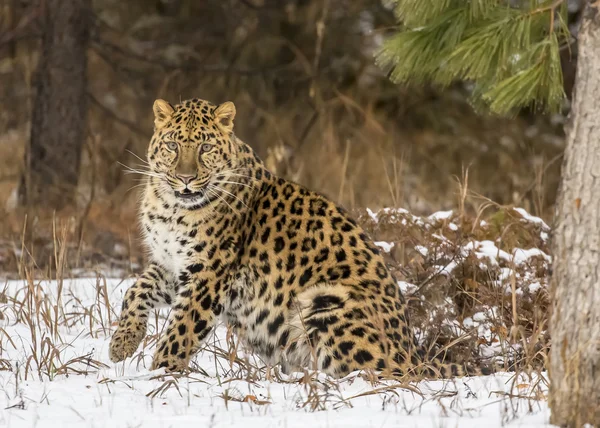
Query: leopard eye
(171,145)
(206,147)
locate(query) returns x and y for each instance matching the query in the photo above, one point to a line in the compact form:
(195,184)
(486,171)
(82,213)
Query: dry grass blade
(85,360)
(243,399)
(164,387)
(5,365)
(386,389)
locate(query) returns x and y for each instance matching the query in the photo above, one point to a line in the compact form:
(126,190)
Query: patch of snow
(373,215)
(441,215)
(521,256)
(421,249)
(532,218)
(505,273)
(479,317)
(406,287)
(448,268)
(385,246)
(534,287)
(128,394)
(488,249)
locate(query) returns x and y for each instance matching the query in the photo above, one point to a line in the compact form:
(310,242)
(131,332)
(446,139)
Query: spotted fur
(292,273)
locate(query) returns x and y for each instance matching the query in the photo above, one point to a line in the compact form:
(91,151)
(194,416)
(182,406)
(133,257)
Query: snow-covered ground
(55,371)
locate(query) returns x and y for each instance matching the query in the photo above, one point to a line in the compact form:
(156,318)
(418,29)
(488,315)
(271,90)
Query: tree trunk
(58,122)
(575,322)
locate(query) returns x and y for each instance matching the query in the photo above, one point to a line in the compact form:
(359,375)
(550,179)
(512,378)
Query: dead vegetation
(309,100)
(476,286)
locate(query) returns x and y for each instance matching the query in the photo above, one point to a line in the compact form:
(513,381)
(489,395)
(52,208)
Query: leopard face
(192,150)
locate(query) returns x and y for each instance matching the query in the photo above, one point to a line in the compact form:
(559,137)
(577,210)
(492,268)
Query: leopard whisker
(233,172)
(235,176)
(130,170)
(141,165)
(133,187)
(230,194)
(235,182)
(143,160)
(147,174)
(211,189)
(212,204)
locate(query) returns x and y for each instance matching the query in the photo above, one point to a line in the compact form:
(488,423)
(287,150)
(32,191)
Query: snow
(521,256)
(448,268)
(488,251)
(536,220)
(479,316)
(421,249)
(531,218)
(441,215)
(406,287)
(373,215)
(385,246)
(509,269)
(534,287)
(48,387)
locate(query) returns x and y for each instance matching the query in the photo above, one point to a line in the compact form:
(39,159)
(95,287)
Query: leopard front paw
(171,363)
(124,343)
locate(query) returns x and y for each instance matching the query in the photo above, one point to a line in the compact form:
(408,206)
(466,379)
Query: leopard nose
(186,178)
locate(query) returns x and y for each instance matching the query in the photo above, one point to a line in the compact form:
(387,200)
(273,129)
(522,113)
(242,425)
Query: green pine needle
(416,13)
(540,84)
(418,55)
(506,48)
(481,9)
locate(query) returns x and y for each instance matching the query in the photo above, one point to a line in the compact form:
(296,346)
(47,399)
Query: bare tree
(575,322)
(58,125)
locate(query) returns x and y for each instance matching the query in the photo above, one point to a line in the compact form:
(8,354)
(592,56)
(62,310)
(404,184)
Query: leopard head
(192,150)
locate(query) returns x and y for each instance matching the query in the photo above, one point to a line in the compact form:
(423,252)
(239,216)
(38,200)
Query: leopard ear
(224,115)
(162,113)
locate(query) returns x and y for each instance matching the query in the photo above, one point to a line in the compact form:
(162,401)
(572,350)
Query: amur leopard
(289,270)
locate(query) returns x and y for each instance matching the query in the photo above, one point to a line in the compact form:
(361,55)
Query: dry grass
(379,165)
(452,277)
(445,283)
(316,109)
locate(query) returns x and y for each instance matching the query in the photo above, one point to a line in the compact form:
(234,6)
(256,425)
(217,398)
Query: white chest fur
(168,243)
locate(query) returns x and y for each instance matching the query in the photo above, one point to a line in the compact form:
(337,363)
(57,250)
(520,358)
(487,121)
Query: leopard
(289,271)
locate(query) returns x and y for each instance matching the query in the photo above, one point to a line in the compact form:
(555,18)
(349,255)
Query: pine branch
(551,7)
(540,84)
(509,49)
(419,54)
(480,9)
(416,13)
(490,48)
